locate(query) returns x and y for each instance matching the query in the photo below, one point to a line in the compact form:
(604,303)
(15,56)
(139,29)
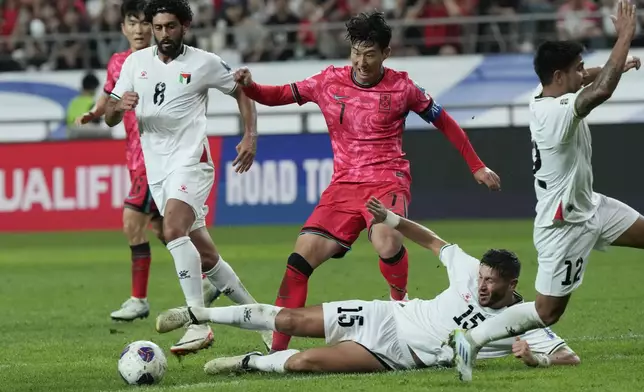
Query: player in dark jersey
(365,106)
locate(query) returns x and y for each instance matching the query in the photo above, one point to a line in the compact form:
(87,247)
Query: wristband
(542,360)
(392,220)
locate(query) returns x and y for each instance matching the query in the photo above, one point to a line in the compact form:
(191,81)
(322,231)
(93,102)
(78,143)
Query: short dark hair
(370,28)
(554,56)
(90,82)
(179,8)
(132,8)
(504,262)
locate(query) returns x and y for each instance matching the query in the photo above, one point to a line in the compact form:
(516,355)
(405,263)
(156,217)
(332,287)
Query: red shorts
(341,214)
(140,198)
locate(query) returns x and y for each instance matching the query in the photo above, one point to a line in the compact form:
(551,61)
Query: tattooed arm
(606,82)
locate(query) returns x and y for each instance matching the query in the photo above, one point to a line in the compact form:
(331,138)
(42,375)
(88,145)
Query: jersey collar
(355,81)
(184,50)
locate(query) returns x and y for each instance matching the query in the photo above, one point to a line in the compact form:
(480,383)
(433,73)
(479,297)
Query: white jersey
(561,152)
(425,325)
(172,105)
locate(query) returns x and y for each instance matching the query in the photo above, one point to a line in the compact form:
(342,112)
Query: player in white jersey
(370,336)
(167,85)
(571,218)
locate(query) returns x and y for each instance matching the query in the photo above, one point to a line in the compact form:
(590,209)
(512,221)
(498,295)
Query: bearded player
(140,210)
(371,336)
(167,86)
(365,106)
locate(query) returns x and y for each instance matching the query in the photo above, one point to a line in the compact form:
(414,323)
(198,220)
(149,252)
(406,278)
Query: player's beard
(172,47)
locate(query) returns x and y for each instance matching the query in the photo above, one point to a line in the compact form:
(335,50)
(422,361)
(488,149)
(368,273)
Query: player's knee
(315,249)
(134,229)
(286,321)
(387,243)
(302,362)
(300,264)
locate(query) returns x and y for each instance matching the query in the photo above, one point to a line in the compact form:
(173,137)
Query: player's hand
(377,209)
(246,150)
(84,118)
(489,178)
(521,350)
(243,76)
(626,19)
(632,62)
(128,101)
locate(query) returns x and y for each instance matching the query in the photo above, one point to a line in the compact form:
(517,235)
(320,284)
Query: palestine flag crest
(184,78)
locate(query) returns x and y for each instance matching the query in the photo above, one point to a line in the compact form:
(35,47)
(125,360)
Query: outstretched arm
(419,101)
(607,79)
(264,94)
(410,229)
(562,355)
(270,95)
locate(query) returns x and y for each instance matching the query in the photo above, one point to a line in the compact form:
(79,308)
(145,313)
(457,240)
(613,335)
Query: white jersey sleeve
(126,77)
(220,75)
(460,266)
(541,341)
(557,117)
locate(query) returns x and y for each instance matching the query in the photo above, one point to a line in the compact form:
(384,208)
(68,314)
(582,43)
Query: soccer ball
(142,363)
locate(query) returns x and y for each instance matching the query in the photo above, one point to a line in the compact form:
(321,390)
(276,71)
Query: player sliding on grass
(571,218)
(370,336)
(167,86)
(365,106)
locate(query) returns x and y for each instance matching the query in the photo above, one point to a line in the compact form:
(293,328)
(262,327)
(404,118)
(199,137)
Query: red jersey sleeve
(309,89)
(110,79)
(421,103)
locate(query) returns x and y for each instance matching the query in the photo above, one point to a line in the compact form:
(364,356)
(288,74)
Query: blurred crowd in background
(83,34)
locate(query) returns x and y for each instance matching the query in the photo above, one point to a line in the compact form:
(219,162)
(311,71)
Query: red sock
(292,293)
(141,259)
(395,271)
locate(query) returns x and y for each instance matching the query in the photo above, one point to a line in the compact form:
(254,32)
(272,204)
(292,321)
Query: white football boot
(175,318)
(132,309)
(197,337)
(465,353)
(229,364)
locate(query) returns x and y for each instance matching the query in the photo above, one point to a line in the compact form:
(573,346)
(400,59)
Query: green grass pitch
(57,290)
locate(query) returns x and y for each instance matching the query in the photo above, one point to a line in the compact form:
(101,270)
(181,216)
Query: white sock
(273,363)
(227,281)
(188,265)
(256,317)
(513,321)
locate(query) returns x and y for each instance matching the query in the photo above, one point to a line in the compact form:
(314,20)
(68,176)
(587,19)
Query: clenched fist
(243,77)
(128,101)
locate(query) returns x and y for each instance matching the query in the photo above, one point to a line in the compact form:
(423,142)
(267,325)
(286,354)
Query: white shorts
(190,184)
(372,325)
(563,250)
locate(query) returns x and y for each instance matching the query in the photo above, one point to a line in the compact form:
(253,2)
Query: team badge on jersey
(385,102)
(184,78)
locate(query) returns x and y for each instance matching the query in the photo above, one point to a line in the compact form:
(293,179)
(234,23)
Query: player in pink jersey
(140,210)
(365,106)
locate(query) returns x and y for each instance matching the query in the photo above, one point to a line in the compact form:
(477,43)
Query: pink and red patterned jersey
(365,124)
(133,152)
